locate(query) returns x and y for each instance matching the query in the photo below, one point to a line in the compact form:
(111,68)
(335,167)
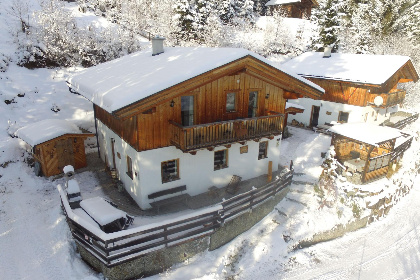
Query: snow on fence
(400,149)
(119,247)
(401,124)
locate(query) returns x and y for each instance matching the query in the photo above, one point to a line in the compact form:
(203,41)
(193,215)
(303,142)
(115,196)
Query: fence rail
(398,151)
(401,124)
(120,247)
(195,137)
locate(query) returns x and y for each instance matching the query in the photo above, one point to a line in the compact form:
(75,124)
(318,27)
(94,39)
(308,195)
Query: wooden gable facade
(297,9)
(68,149)
(363,94)
(242,100)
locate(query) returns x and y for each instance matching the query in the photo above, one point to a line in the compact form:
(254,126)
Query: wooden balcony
(390,99)
(191,138)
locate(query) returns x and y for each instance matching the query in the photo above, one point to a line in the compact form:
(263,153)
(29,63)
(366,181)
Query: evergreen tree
(327,18)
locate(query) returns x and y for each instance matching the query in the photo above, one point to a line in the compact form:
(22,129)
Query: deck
(191,138)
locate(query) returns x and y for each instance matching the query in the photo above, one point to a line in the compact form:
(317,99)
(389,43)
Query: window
(129,167)
(170,170)
(187,110)
(343,117)
(262,151)
(220,159)
(231,102)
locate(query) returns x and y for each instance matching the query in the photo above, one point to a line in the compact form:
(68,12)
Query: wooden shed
(55,144)
(366,150)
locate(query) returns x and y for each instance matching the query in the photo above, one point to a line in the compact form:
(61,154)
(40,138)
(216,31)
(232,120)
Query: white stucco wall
(356,113)
(195,171)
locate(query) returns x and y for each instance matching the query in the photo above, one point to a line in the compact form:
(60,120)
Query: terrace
(174,224)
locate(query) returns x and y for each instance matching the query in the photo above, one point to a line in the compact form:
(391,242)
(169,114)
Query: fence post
(165,230)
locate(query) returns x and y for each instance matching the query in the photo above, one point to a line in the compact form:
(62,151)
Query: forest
(51,37)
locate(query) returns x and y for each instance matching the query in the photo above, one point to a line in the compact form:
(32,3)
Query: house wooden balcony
(192,138)
(389,99)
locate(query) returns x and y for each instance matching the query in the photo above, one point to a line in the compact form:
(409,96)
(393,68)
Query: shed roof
(294,105)
(124,81)
(45,130)
(365,132)
(281,2)
(358,68)
(285,2)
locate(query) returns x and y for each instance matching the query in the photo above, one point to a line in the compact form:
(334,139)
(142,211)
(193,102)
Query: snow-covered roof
(45,130)
(366,132)
(293,105)
(100,210)
(281,2)
(121,82)
(360,68)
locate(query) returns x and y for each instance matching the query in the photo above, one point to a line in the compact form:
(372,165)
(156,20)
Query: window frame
(265,150)
(340,114)
(129,167)
(225,160)
(170,178)
(236,95)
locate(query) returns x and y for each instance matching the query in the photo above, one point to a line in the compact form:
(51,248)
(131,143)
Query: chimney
(157,45)
(327,52)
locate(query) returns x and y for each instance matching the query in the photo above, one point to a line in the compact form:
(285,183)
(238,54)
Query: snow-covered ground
(35,242)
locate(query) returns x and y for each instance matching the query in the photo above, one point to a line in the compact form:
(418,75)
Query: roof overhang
(248,64)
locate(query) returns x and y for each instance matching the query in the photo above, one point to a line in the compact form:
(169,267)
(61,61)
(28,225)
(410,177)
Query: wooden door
(315,115)
(113,153)
(65,153)
(187,110)
(253,104)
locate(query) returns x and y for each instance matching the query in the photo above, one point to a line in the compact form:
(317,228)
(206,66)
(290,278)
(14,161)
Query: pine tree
(327,18)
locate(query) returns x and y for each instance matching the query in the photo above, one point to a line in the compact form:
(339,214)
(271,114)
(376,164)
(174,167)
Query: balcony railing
(190,138)
(390,99)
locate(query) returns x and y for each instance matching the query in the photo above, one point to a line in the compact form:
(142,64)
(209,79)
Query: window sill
(262,158)
(171,180)
(220,167)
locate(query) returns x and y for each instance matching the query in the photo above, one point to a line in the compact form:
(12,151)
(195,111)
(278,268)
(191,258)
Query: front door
(315,115)
(187,110)
(113,153)
(65,153)
(253,104)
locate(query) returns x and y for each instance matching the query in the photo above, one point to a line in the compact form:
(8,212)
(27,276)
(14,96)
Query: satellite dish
(378,101)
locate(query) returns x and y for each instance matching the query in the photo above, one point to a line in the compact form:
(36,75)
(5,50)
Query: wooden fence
(399,151)
(120,247)
(401,124)
(211,134)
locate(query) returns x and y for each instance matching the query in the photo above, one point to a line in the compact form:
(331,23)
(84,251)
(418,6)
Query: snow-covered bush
(4,62)
(56,40)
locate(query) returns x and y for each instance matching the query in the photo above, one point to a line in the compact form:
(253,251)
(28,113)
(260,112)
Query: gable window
(343,117)
(220,159)
(129,167)
(231,102)
(170,170)
(262,151)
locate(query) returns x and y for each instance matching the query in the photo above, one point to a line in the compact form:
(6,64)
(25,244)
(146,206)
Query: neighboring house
(189,117)
(358,87)
(55,144)
(366,150)
(292,8)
